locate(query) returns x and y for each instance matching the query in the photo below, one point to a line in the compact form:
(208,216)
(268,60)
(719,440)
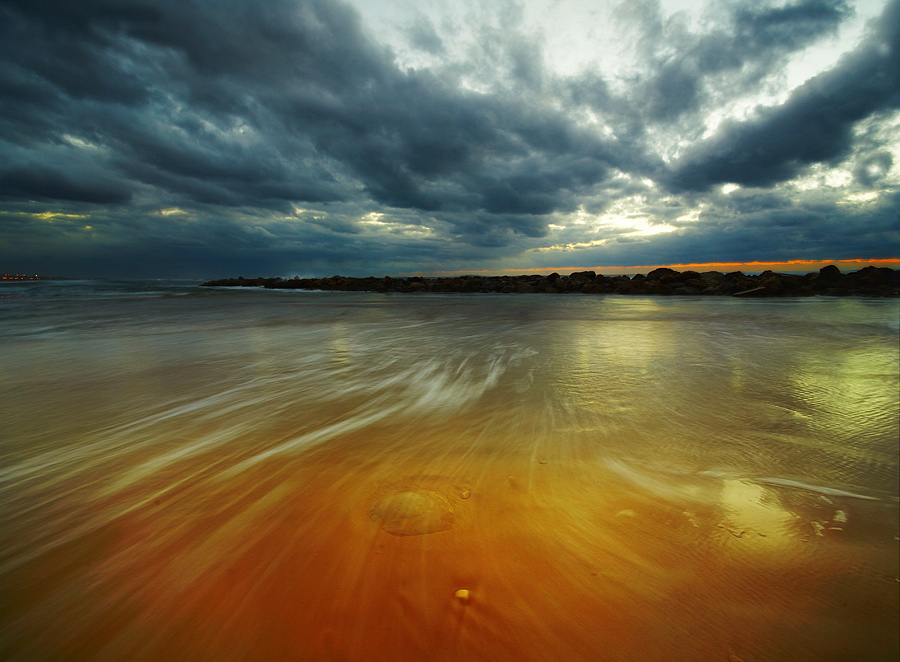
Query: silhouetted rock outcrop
(829,281)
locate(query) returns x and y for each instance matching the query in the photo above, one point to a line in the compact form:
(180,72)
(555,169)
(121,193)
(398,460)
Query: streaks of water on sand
(815,488)
(427,388)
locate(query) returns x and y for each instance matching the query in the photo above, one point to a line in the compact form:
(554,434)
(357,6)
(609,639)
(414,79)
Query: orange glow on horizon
(753,266)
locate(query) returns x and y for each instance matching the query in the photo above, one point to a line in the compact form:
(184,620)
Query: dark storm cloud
(58,48)
(415,142)
(811,228)
(814,125)
(309,85)
(161,84)
(496,229)
(760,28)
(37,182)
(237,113)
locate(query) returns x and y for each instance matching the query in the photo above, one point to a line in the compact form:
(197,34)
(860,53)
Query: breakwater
(828,281)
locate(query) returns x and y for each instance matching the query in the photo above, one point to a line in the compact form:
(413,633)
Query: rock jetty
(829,281)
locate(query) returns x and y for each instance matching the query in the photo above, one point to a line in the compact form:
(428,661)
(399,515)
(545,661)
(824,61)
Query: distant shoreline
(828,281)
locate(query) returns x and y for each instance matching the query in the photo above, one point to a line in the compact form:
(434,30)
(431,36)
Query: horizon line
(688,266)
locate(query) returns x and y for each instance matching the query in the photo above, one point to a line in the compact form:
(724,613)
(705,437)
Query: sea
(192,473)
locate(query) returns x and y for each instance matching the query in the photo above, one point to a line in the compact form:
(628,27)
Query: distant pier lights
(19,277)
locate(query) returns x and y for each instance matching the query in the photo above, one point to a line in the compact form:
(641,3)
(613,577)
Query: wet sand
(362,482)
(563,558)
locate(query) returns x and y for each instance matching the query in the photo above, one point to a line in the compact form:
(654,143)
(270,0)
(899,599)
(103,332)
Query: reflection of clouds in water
(845,386)
(734,387)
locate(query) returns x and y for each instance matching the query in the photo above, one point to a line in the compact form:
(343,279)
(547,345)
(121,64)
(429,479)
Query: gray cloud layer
(269,130)
(814,125)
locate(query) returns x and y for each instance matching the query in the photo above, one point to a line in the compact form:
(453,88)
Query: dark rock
(830,273)
(874,280)
(624,286)
(871,281)
(657,274)
(773,284)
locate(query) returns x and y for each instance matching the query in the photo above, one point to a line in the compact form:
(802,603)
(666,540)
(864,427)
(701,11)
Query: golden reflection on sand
(751,509)
(527,560)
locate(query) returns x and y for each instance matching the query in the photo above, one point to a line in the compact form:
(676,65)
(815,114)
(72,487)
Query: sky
(215,138)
